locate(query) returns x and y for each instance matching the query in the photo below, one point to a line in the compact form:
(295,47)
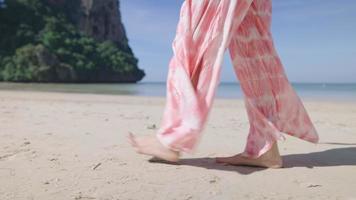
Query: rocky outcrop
(72,41)
(102,20)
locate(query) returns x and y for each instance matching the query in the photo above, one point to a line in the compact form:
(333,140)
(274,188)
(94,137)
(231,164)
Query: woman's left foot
(149,145)
(270,159)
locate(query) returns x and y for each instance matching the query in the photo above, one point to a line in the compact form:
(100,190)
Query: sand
(73,146)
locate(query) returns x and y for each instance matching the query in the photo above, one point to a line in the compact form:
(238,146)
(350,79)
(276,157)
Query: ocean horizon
(316,91)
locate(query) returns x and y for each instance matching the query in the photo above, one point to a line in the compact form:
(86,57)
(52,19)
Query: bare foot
(271,159)
(149,145)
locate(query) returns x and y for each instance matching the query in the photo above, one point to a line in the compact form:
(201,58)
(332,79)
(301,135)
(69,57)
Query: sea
(228,90)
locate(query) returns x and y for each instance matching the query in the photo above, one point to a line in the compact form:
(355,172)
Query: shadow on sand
(327,158)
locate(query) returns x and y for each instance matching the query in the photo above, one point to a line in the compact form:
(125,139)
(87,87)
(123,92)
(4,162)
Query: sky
(315,39)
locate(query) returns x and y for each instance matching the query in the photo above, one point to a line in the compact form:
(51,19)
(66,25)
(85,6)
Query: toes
(225,160)
(132,140)
(231,160)
(218,159)
(155,159)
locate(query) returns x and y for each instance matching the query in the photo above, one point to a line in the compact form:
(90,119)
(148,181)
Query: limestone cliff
(102,20)
(85,39)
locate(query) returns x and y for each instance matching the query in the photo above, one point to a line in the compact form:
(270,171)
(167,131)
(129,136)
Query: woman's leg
(272,105)
(203,34)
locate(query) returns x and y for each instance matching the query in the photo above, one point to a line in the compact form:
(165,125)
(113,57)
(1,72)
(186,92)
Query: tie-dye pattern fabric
(205,30)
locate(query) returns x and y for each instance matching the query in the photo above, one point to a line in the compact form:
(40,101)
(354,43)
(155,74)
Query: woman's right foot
(149,145)
(270,159)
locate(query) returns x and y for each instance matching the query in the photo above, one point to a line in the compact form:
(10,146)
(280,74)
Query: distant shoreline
(227,90)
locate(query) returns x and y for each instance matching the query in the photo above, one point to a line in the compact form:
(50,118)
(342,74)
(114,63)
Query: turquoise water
(321,91)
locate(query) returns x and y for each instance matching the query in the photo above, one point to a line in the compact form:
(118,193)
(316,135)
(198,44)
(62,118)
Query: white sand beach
(73,146)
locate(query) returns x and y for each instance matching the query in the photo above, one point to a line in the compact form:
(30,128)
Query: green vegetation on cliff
(39,42)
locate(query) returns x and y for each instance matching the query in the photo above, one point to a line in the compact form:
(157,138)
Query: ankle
(272,153)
